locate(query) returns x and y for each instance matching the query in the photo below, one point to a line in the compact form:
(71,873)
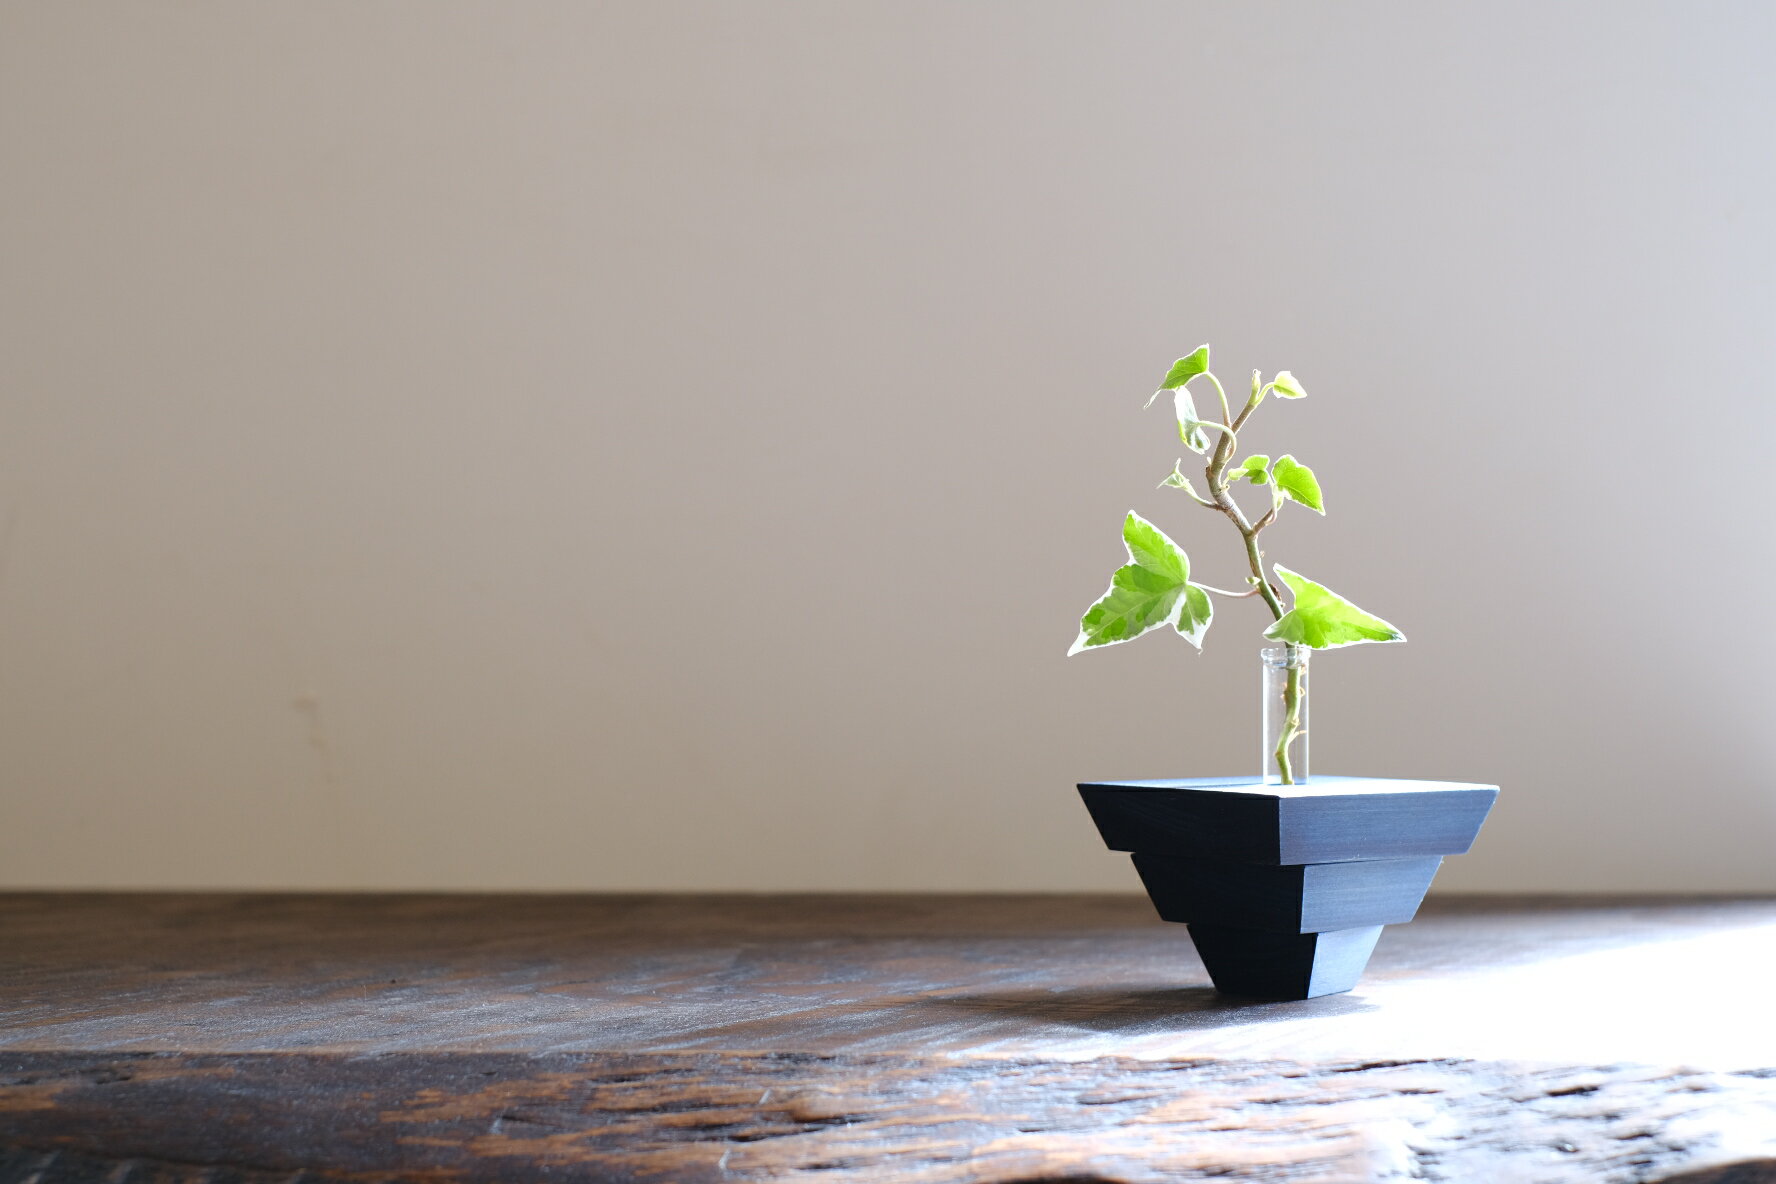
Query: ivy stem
(1224,446)
(1291,718)
(1212,472)
(1253,556)
(1226,415)
(1276,504)
(1253,591)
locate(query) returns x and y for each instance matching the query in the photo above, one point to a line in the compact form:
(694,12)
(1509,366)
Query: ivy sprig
(1154,589)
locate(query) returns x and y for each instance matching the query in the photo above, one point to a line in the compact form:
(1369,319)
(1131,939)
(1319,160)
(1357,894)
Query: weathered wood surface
(922,1039)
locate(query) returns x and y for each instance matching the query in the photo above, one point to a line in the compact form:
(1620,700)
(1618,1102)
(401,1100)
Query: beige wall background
(664,445)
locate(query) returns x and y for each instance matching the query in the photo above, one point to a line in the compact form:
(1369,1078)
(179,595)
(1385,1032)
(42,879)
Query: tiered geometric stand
(1287,887)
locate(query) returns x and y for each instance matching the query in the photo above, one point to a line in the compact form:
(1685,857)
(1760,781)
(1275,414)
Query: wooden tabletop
(924,1039)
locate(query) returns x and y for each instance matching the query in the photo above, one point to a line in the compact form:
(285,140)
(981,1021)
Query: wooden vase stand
(1286,888)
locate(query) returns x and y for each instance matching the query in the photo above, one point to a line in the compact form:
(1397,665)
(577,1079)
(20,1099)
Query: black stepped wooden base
(1286,888)
(1292,898)
(1260,964)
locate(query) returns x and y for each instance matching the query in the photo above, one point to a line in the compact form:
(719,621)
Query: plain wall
(653,445)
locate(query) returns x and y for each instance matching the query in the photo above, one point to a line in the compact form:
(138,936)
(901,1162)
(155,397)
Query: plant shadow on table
(1145,1011)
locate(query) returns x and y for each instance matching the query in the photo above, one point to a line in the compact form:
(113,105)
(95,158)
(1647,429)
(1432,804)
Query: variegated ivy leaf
(1187,368)
(1298,483)
(1255,469)
(1285,385)
(1151,548)
(1195,611)
(1323,620)
(1190,427)
(1152,590)
(1178,480)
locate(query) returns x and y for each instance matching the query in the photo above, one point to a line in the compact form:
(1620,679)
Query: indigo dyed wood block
(1328,820)
(1286,887)
(1297,898)
(1265,965)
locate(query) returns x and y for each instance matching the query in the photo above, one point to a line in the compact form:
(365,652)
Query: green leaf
(1255,469)
(1178,480)
(1185,369)
(1190,427)
(1151,549)
(1150,591)
(1195,611)
(1285,385)
(1324,620)
(1298,483)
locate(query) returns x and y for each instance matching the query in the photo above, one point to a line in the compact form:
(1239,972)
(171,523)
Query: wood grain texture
(922,1039)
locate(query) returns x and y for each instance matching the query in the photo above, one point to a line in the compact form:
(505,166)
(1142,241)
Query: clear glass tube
(1285,714)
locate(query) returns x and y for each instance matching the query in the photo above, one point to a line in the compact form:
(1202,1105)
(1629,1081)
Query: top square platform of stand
(1325,820)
